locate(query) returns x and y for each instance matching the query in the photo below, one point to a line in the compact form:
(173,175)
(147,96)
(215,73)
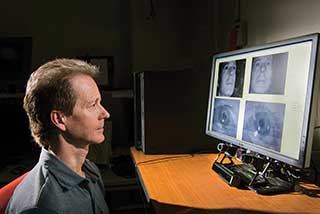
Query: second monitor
(169,111)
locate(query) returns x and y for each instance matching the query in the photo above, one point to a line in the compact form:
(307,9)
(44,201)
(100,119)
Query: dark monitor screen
(263,99)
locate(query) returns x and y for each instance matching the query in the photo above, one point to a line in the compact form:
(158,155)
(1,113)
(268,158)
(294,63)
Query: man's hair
(48,89)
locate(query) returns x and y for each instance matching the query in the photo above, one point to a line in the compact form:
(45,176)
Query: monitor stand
(259,174)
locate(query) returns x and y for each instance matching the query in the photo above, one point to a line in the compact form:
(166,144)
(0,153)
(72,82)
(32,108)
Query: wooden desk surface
(187,184)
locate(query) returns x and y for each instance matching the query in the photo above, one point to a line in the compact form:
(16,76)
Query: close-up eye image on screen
(263,124)
(268,74)
(225,116)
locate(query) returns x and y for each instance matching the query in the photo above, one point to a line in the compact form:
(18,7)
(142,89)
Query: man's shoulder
(28,193)
(32,180)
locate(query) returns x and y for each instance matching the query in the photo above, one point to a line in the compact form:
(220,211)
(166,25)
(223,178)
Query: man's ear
(58,119)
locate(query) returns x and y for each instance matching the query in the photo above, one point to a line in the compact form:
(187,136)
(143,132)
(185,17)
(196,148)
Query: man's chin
(261,89)
(229,93)
(99,141)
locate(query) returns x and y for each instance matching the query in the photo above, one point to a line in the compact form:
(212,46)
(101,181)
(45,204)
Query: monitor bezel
(310,102)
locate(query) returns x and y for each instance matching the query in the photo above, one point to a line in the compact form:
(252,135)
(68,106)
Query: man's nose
(230,74)
(263,68)
(105,114)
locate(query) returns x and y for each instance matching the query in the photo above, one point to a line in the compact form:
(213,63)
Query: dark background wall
(72,28)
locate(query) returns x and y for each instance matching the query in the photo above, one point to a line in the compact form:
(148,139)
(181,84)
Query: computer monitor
(263,99)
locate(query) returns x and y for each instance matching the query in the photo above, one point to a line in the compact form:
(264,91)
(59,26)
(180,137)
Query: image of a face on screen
(269,74)
(230,82)
(225,116)
(263,124)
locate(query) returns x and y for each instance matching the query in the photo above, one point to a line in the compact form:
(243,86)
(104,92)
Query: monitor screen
(263,99)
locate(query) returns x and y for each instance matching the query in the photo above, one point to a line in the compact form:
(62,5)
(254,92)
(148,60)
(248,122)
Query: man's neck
(71,155)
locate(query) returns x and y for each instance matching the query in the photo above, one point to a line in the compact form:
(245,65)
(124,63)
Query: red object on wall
(238,36)
(233,39)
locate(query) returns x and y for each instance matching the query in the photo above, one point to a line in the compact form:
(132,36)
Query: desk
(185,183)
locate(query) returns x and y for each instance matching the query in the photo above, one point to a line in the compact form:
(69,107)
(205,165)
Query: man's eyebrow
(98,99)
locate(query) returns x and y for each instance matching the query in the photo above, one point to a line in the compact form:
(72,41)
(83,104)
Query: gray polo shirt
(52,187)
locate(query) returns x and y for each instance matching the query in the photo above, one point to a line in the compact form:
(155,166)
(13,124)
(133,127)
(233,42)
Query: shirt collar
(65,176)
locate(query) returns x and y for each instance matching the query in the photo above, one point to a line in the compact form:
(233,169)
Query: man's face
(86,124)
(261,74)
(228,79)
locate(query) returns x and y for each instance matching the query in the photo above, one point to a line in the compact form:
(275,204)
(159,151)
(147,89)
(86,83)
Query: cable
(164,159)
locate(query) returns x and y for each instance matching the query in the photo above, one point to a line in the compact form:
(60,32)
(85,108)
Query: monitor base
(261,174)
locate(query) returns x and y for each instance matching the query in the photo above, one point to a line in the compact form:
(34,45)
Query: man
(63,104)
(261,74)
(227,79)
